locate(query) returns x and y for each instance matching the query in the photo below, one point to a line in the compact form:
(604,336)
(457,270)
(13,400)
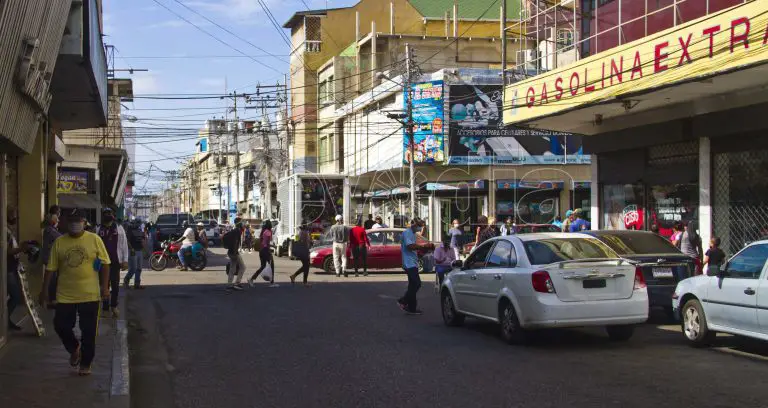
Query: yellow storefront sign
(714,44)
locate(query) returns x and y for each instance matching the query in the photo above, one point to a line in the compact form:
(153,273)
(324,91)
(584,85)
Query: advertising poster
(476,134)
(428,123)
(72,182)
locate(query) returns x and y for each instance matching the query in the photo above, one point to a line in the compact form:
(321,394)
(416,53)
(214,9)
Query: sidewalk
(35,373)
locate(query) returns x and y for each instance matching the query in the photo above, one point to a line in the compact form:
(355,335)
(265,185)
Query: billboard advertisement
(476,134)
(72,182)
(428,123)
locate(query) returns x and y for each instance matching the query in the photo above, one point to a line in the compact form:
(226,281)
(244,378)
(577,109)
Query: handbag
(267,273)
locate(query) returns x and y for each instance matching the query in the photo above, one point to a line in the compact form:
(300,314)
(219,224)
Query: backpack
(229,240)
(135,236)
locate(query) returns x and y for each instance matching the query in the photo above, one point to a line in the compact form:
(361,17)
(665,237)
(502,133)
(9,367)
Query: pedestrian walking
(340,236)
(136,243)
(714,257)
(455,235)
(301,249)
(444,258)
(50,233)
(13,263)
(677,234)
(116,242)
(408,247)
(82,262)
(690,243)
(358,239)
(247,238)
(231,241)
(265,254)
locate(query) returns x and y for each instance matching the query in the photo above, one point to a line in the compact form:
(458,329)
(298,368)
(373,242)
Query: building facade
(669,97)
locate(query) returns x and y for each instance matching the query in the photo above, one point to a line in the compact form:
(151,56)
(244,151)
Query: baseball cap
(339,217)
(568,213)
(75,214)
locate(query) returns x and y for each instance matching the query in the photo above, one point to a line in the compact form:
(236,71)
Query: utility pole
(218,170)
(409,124)
(504,44)
(237,159)
(267,164)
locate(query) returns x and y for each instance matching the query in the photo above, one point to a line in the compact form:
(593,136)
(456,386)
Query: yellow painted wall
(32,174)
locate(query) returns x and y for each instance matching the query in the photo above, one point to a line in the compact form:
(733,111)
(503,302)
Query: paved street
(345,343)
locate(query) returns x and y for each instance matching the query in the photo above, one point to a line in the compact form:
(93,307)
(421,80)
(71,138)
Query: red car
(384,252)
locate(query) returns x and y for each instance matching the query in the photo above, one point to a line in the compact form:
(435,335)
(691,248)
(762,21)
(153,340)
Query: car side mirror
(457,264)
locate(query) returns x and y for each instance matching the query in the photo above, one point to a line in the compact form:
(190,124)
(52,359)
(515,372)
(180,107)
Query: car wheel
(450,316)
(328,265)
(694,324)
(620,333)
(511,331)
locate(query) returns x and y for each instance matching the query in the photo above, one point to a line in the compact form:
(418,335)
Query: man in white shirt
(186,240)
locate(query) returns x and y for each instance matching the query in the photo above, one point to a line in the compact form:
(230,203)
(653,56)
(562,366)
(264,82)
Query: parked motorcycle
(169,253)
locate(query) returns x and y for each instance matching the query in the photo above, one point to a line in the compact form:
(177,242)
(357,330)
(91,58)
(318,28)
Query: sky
(182,60)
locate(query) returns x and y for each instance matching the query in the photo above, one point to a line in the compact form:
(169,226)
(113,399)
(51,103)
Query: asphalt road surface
(345,343)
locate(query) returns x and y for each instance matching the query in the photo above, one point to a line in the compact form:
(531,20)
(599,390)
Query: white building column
(594,194)
(705,191)
(347,202)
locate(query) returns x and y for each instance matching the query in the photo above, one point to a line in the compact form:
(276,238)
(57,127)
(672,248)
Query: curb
(120,382)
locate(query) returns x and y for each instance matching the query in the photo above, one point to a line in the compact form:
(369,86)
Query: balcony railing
(313,46)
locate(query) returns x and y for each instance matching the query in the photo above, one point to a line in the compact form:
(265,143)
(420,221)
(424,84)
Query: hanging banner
(714,44)
(428,123)
(72,182)
(476,135)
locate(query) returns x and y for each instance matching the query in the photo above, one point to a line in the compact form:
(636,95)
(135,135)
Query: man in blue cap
(568,220)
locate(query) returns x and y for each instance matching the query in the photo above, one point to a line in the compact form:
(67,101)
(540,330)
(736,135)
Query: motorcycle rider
(187,240)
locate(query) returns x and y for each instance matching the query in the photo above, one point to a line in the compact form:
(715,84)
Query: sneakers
(237,286)
(74,358)
(250,282)
(115,312)
(84,371)
(338,275)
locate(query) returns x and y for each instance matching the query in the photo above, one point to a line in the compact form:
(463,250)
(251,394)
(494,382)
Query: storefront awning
(79,201)
(713,63)
(457,185)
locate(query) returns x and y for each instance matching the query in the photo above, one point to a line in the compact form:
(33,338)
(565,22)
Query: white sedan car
(732,299)
(535,281)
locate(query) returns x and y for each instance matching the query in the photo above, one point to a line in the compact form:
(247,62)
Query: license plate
(663,273)
(594,283)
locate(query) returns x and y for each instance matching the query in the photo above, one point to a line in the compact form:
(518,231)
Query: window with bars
(326,91)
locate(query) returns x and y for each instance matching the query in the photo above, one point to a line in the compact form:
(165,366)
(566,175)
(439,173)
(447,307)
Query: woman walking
(301,250)
(265,255)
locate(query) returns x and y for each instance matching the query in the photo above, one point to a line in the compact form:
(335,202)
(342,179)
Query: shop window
(624,208)
(672,204)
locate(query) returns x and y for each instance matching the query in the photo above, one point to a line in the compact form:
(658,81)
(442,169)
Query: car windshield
(638,244)
(551,250)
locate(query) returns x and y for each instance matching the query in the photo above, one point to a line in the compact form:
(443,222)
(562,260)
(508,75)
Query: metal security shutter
(740,202)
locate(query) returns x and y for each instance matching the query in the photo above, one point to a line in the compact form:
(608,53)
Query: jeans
(456,251)
(265,256)
(114,286)
(340,257)
(134,268)
(358,253)
(304,268)
(236,267)
(15,295)
(181,252)
(64,321)
(414,283)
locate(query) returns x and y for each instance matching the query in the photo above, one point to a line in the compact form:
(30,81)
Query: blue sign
(428,123)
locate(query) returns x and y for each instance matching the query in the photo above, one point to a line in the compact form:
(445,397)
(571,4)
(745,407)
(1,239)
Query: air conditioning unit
(527,60)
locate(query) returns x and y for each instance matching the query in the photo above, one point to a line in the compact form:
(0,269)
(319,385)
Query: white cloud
(146,83)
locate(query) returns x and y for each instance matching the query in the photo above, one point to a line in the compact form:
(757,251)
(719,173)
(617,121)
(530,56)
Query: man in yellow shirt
(82,264)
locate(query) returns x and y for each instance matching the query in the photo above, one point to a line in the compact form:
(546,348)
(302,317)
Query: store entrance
(466,209)
(649,207)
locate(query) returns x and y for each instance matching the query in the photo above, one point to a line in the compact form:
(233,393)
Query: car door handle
(473,277)
(497,276)
(749,291)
